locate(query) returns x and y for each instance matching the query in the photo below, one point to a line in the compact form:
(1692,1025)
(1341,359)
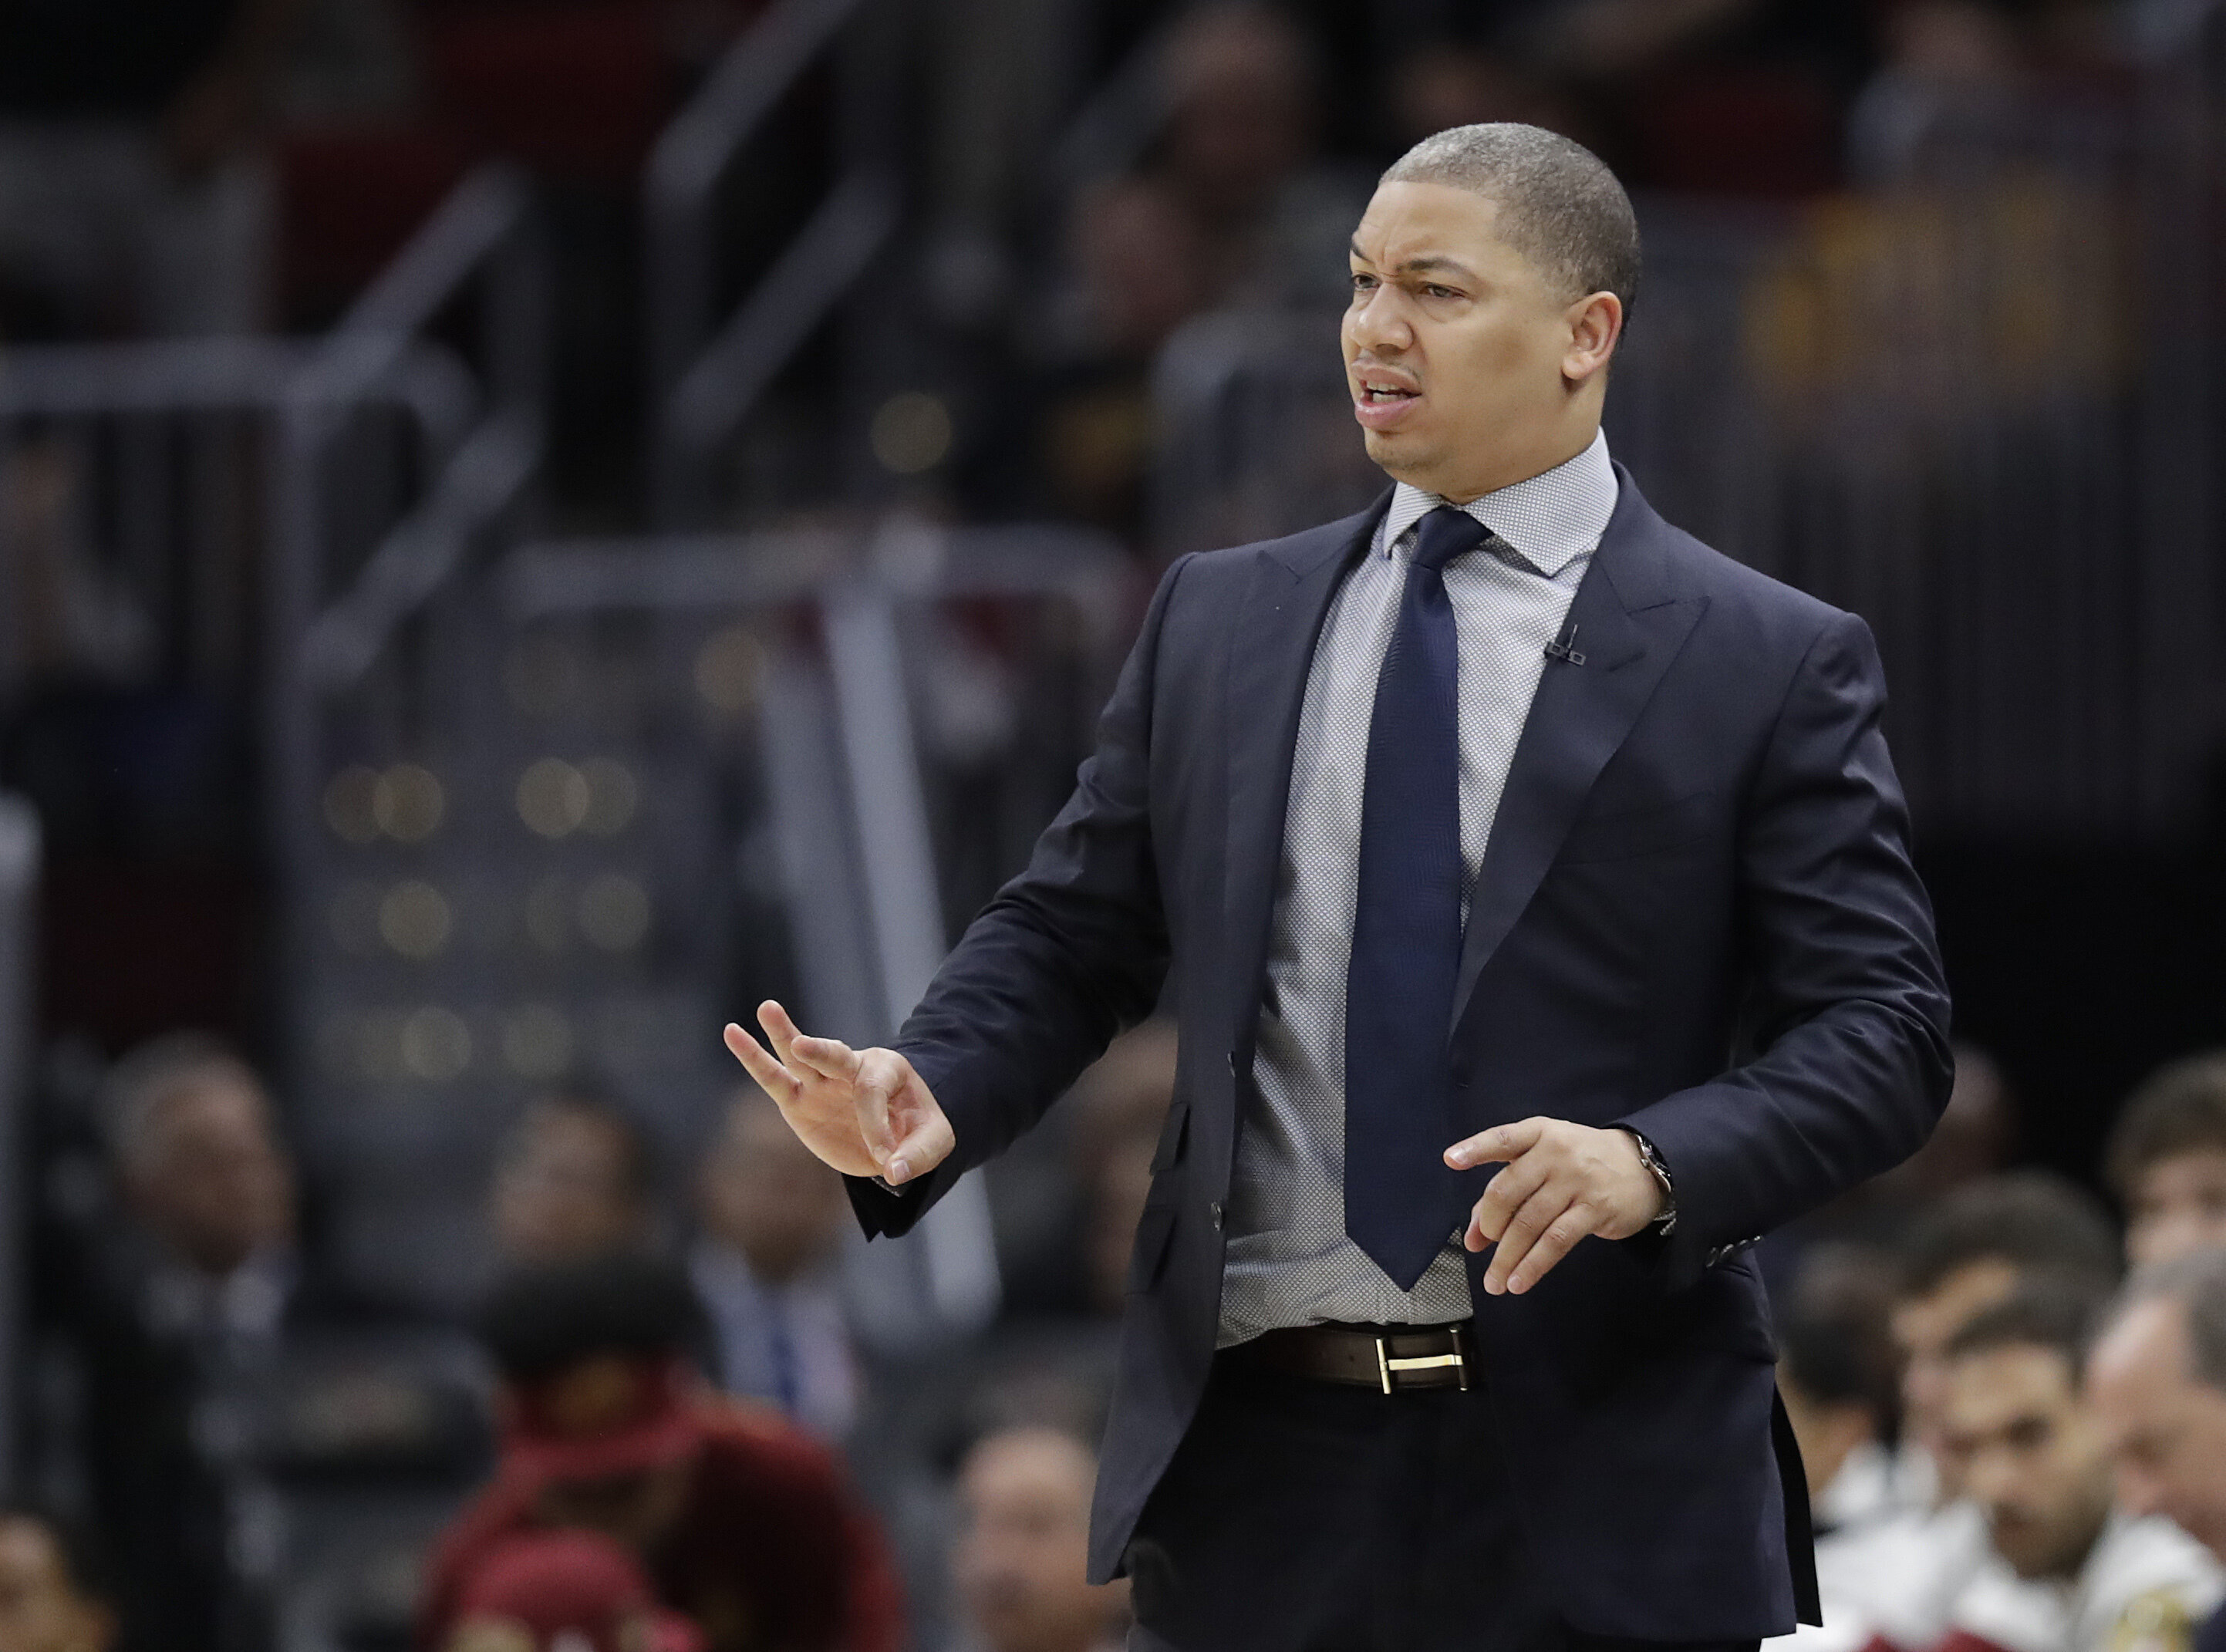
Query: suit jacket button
(1232,1064)
(1219,1212)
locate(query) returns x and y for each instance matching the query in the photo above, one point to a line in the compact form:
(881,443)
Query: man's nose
(1991,1483)
(1377,321)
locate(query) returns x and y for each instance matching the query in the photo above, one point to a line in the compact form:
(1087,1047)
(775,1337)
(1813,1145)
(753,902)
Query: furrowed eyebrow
(1421,266)
(1425,266)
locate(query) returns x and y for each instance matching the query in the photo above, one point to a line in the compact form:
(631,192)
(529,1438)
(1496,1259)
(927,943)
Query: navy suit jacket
(1697,916)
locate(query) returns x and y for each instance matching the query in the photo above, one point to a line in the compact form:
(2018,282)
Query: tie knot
(1443,534)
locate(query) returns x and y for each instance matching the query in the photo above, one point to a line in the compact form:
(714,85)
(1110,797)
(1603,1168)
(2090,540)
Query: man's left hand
(1563,1181)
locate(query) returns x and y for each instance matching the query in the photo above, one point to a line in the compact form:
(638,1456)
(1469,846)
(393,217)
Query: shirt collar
(1551,519)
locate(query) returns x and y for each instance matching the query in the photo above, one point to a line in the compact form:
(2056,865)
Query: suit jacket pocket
(1156,1233)
(1627,833)
(1730,1311)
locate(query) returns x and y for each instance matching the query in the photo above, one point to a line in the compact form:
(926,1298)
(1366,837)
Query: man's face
(764,1192)
(1923,1327)
(1462,358)
(564,1190)
(2165,1428)
(2178,1207)
(40,1609)
(211,1182)
(1021,1557)
(2027,1453)
(1827,1430)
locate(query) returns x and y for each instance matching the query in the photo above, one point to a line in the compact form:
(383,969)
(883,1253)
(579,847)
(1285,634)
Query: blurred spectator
(1451,83)
(771,1217)
(744,1525)
(130,196)
(1140,274)
(1965,75)
(181,1317)
(1973,1138)
(198,1160)
(1236,158)
(1836,1371)
(573,1177)
(2157,1381)
(1231,207)
(2067,1573)
(1884,1559)
(51,1595)
(1954,73)
(565,1591)
(212,1363)
(1023,1546)
(2166,1161)
(1974,1250)
(1895,1573)
(1737,97)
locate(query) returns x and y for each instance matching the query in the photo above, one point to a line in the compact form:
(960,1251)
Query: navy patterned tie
(1400,1199)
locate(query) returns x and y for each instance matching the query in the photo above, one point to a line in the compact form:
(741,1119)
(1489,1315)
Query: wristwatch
(1666,1224)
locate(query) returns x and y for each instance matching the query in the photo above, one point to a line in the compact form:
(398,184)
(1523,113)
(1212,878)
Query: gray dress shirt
(1288,1261)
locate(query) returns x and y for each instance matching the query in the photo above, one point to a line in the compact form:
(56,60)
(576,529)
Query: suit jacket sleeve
(1847,1009)
(1066,955)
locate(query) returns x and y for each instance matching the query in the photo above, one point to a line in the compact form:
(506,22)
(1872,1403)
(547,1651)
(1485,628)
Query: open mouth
(1382,403)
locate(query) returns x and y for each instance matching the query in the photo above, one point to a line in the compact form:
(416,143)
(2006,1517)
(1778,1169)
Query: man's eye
(1439,292)
(1362,283)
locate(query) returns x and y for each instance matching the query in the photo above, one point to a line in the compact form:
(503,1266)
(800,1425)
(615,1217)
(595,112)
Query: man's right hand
(865,1112)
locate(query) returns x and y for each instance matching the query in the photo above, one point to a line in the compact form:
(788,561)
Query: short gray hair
(1559,204)
(2197,1283)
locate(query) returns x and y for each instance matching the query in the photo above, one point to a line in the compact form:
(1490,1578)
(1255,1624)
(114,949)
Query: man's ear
(1595,324)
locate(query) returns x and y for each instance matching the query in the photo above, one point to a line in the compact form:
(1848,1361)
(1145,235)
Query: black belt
(1392,1358)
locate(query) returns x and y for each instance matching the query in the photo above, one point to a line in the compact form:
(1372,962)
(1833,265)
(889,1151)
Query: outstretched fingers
(781,1032)
(829,1059)
(772,1077)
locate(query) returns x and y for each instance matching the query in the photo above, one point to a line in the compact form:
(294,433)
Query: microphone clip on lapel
(1563,647)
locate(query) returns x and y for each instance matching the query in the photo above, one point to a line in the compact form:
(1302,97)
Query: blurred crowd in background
(364,1305)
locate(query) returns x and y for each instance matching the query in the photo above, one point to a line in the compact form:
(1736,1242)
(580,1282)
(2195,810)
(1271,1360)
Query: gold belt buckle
(1385,1364)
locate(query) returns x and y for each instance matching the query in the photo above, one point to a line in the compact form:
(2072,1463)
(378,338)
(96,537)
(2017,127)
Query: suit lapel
(1631,620)
(1271,649)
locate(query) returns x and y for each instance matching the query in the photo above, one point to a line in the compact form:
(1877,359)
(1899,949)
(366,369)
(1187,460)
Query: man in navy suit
(1533,890)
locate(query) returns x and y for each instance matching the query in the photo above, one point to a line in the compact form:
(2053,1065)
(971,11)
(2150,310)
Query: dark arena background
(529,526)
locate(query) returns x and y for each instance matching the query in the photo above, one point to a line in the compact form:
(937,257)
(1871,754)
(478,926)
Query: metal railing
(326,622)
(837,727)
(481,230)
(707,373)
